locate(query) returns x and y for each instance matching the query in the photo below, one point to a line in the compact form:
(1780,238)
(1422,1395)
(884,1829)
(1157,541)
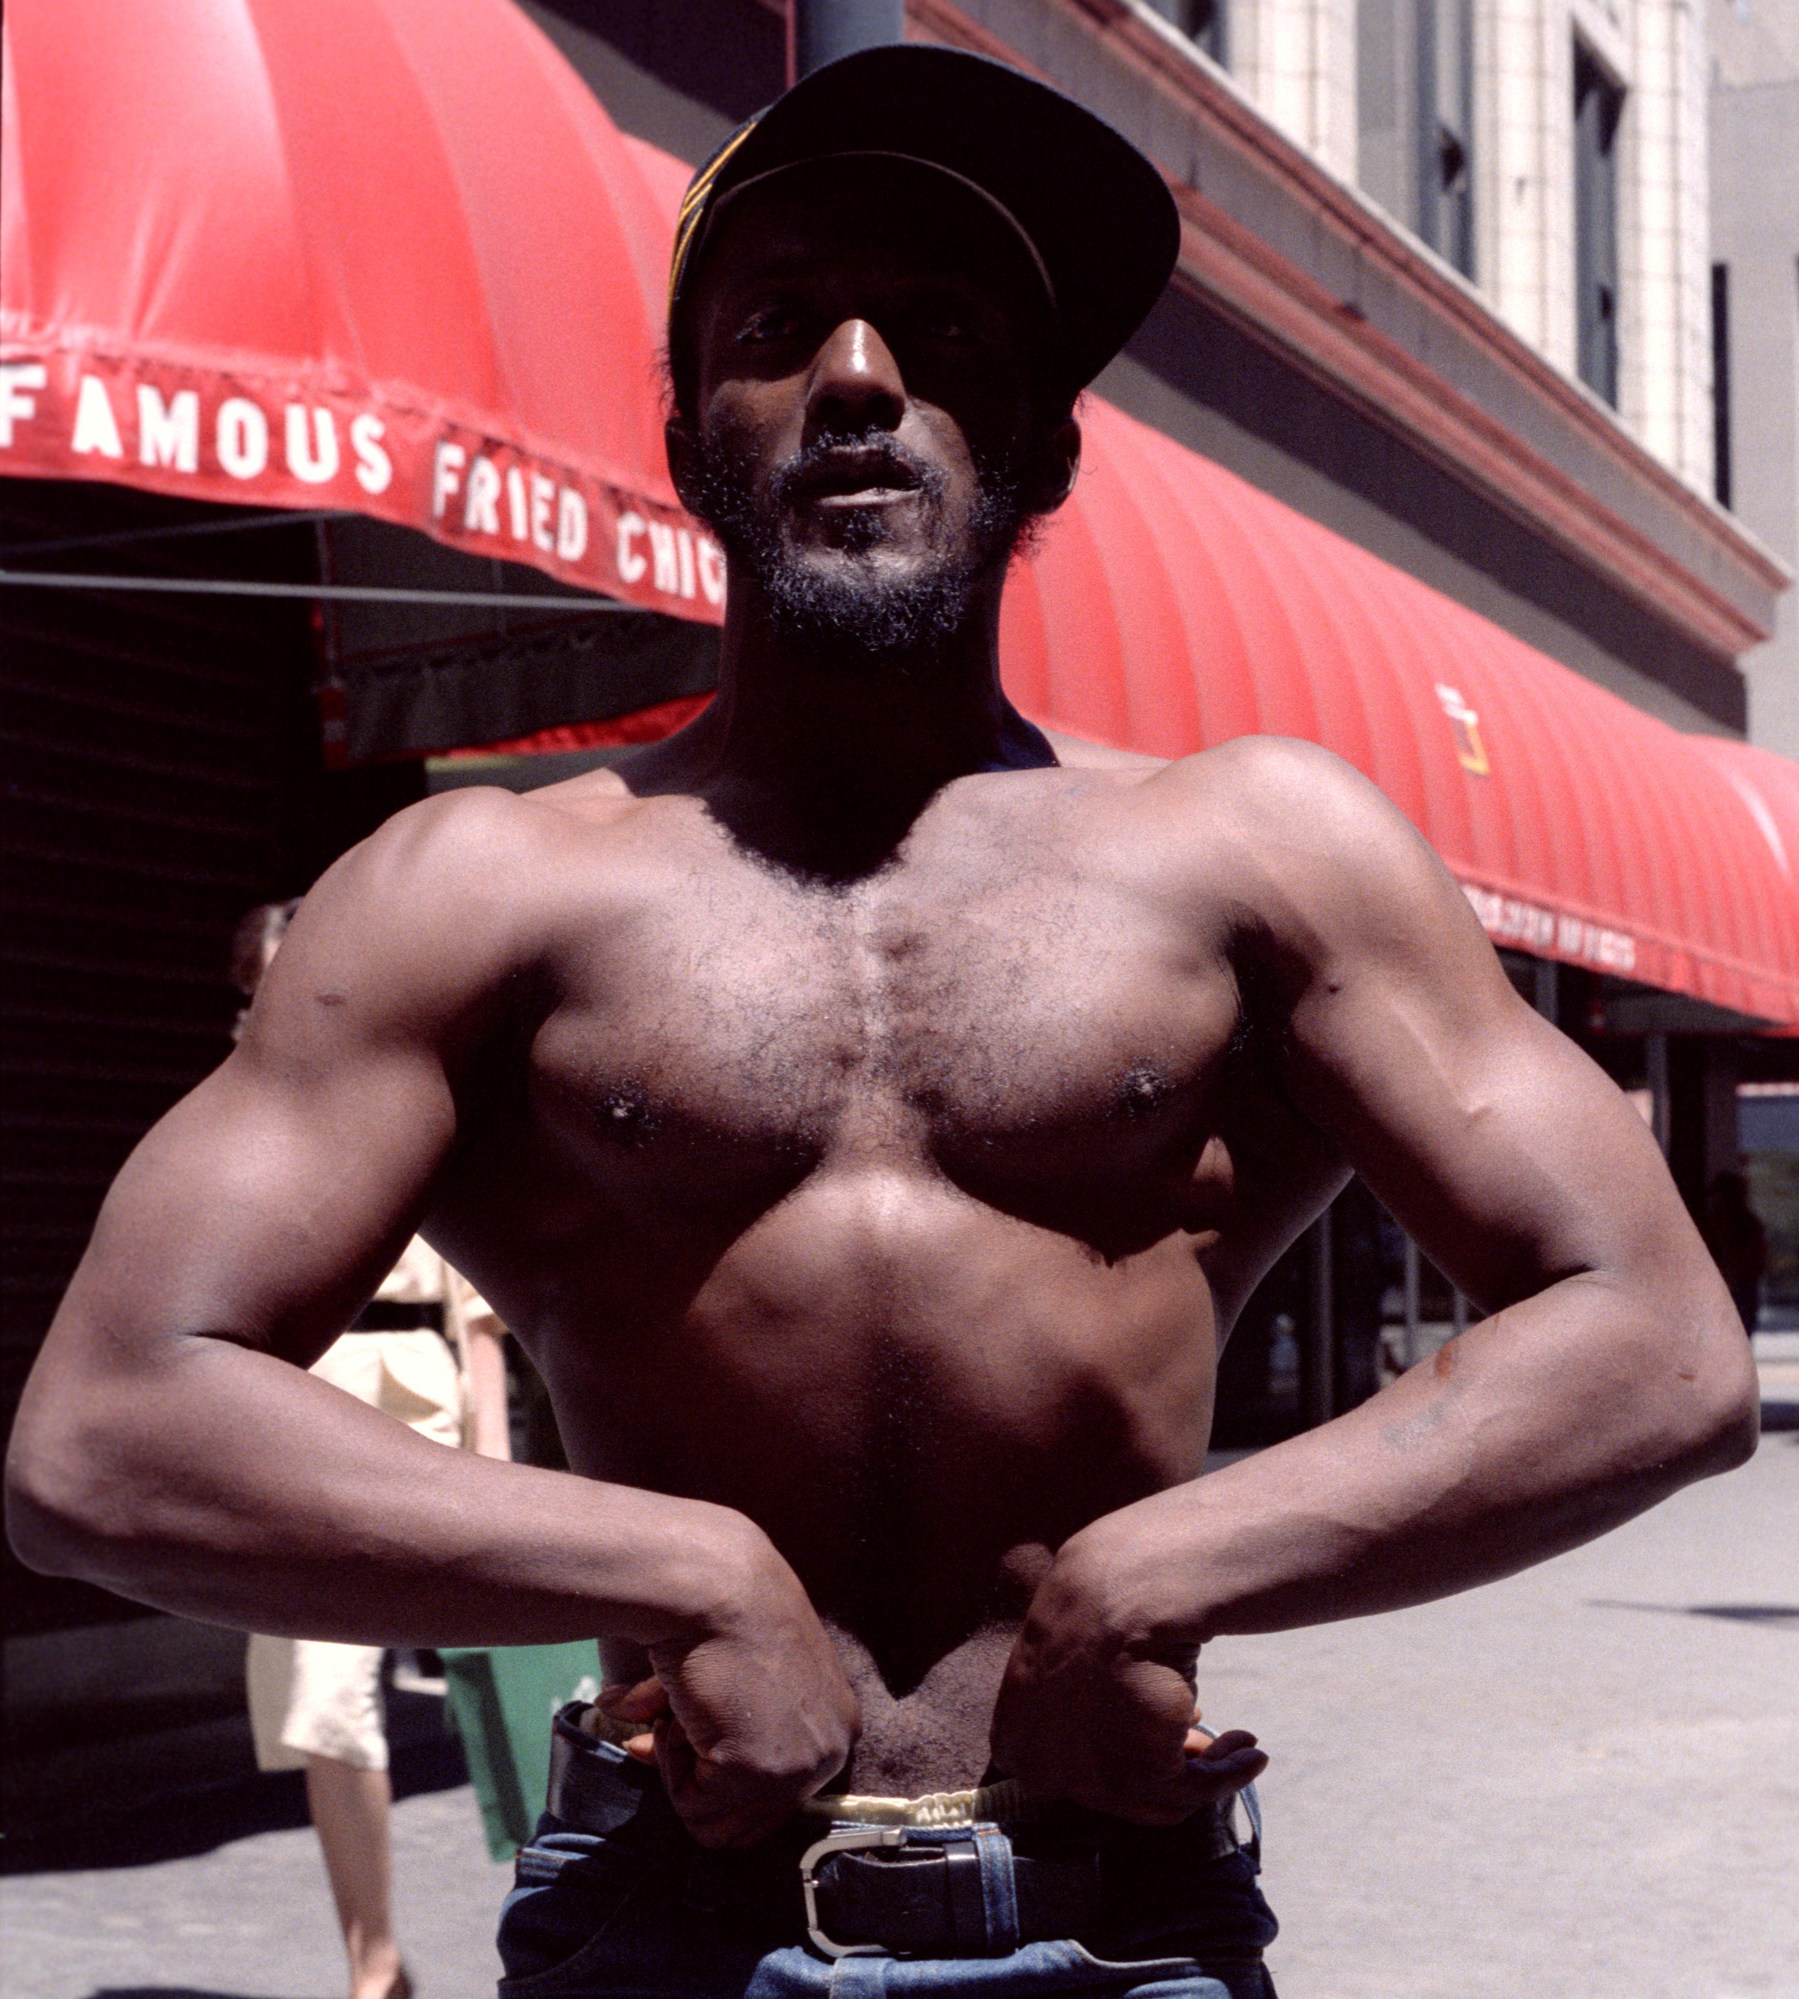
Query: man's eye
(773,322)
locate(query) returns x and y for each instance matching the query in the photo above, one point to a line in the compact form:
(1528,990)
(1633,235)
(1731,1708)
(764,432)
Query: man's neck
(824,767)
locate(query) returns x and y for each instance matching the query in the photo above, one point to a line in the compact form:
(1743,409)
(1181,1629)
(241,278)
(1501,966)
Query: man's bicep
(266,1209)
(268,1204)
(1500,1147)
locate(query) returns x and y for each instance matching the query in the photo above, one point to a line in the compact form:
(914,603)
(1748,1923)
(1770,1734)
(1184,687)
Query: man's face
(865,435)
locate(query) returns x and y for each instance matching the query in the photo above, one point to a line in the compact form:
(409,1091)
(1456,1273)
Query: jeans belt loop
(999,1890)
(965,1874)
(1252,1810)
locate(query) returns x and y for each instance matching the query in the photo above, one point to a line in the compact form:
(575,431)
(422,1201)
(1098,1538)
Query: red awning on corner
(1768,785)
(382,255)
(1174,606)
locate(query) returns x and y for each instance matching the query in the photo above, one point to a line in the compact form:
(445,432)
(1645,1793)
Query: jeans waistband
(959,1886)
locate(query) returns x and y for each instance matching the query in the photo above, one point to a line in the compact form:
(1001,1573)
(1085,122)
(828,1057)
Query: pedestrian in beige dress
(426,1351)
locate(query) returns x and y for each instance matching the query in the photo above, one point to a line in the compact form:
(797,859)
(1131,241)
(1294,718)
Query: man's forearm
(225,1485)
(1536,1430)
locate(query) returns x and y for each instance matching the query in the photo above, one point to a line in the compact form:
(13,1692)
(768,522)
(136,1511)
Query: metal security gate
(145,748)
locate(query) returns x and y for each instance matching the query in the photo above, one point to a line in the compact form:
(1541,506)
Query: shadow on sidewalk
(162,1992)
(111,1833)
(1774,1614)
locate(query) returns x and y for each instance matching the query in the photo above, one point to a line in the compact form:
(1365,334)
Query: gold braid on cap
(693,205)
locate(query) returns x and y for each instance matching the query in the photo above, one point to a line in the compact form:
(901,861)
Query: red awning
(1175,606)
(383,255)
(398,260)
(1768,785)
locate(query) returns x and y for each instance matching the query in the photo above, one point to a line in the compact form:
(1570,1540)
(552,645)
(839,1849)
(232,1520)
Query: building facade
(1552,151)
(1617,181)
(1754,177)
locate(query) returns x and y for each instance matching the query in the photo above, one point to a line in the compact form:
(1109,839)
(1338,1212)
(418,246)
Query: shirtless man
(872,1119)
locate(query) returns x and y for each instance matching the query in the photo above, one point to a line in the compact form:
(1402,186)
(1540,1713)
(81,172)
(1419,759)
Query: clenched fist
(751,1715)
(1096,1709)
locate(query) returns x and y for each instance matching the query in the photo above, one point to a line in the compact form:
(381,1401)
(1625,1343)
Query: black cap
(1096,215)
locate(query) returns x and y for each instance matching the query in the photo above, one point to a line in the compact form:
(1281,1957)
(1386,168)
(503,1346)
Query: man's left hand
(1093,1710)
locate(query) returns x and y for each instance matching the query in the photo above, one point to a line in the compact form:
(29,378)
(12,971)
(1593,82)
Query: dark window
(1414,113)
(1201,21)
(1446,129)
(1598,106)
(1721,383)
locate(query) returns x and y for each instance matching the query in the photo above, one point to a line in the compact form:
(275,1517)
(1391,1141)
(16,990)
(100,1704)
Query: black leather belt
(961,1891)
(937,1891)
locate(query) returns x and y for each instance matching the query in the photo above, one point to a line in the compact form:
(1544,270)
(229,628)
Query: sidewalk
(223,1896)
(1582,1783)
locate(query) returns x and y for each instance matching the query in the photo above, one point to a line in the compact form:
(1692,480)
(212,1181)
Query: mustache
(872,457)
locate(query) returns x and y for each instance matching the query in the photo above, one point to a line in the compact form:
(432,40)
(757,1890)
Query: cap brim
(1098,213)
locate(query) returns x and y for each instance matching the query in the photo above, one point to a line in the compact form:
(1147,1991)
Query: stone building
(1754,114)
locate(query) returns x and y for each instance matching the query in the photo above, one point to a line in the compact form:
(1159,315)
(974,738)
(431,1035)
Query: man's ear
(678,442)
(1058,460)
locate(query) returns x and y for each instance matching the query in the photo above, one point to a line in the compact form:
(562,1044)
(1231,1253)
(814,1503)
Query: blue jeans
(645,1913)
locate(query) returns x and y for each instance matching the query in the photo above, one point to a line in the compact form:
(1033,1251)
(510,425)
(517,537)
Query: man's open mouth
(854,476)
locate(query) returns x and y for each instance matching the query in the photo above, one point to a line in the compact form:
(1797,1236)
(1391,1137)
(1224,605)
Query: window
(1445,129)
(1414,112)
(1721,383)
(1201,21)
(1598,107)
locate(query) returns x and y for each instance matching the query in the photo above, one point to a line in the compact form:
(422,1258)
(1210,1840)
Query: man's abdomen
(919,1399)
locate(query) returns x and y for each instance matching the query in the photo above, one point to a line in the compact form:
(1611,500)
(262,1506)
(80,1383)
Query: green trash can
(502,1700)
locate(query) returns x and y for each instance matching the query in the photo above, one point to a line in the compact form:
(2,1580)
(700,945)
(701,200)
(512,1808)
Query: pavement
(1581,1783)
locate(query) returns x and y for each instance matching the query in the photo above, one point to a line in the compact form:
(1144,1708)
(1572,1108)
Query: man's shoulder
(1256,777)
(1260,817)
(464,889)
(1267,794)
(480,841)
(1250,774)
(445,830)
(1300,840)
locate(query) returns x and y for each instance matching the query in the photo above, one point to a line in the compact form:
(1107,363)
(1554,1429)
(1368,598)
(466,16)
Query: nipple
(624,1115)
(1144,1089)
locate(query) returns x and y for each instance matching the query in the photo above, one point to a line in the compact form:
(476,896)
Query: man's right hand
(752,1717)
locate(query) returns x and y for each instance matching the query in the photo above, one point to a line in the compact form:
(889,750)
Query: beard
(852,612)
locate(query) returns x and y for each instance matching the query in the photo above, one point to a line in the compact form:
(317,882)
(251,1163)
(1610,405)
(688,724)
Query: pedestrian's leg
(351,1809)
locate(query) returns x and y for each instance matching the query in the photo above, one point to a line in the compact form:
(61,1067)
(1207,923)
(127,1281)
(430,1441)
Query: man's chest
(1010,1018)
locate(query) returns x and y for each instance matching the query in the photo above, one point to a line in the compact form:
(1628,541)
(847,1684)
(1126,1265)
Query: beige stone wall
(1524,188)
(1296,61)
(1254,360)
(1665,255)
(1755,233)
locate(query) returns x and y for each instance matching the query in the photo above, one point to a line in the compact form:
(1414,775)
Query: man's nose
(856,383)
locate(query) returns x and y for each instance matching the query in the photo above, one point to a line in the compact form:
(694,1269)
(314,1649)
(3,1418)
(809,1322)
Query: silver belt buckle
(851,1839)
